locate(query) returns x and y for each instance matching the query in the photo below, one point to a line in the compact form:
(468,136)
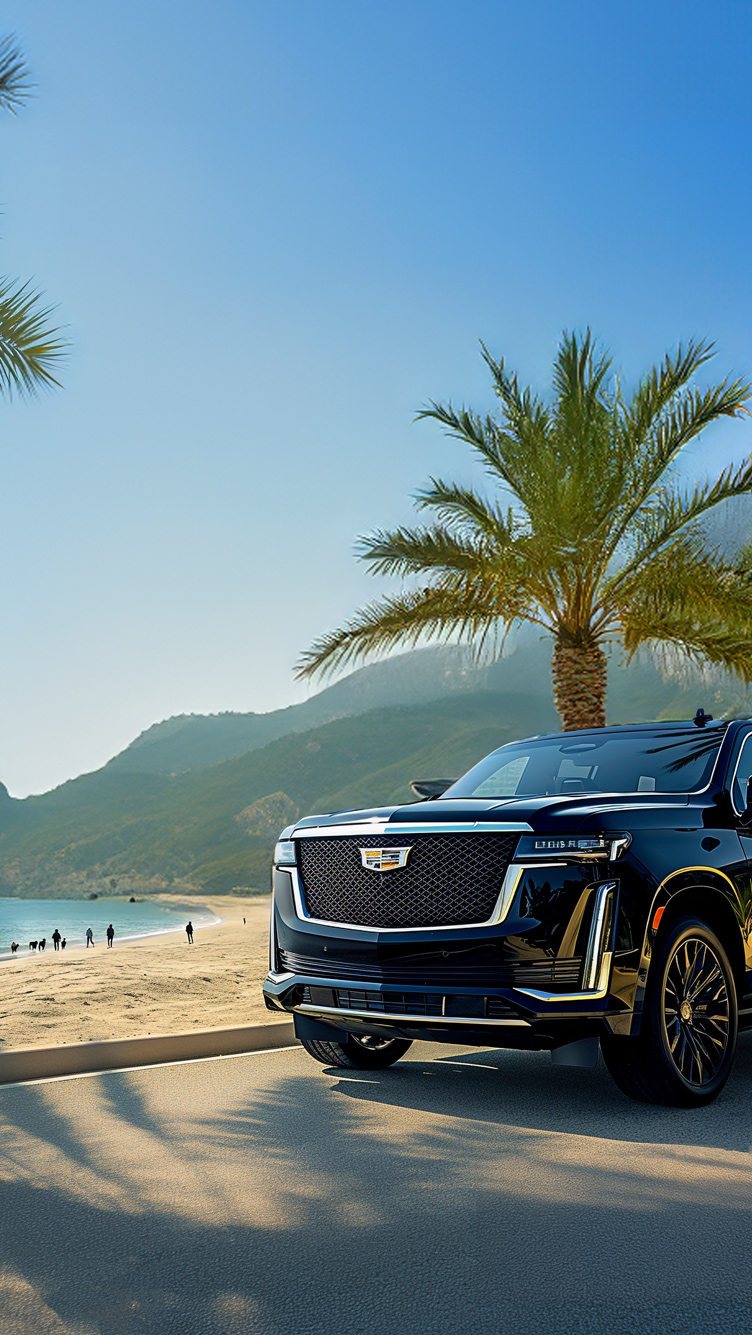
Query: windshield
(670,760)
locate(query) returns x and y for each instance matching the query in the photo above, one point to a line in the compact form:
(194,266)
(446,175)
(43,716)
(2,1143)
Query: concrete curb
(18,1064)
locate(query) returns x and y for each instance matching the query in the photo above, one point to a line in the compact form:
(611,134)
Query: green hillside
(192,741)
(189,741)
(212,827)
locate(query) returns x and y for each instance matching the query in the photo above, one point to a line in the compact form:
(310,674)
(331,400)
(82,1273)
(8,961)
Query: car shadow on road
(525,1089)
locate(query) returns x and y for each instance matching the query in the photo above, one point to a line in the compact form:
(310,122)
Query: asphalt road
(482,1192)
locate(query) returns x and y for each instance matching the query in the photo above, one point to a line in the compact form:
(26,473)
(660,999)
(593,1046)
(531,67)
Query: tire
(685,1050)
(366,1052)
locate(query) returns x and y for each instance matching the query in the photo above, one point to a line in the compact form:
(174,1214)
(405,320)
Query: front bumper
(483,986)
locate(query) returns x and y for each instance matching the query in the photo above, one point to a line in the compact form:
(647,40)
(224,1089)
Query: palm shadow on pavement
(526,1089)
(264,1195)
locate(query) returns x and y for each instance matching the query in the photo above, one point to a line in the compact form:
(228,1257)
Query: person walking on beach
(89,938)
(56,939)
(110,935)
(62,944)
(189,932)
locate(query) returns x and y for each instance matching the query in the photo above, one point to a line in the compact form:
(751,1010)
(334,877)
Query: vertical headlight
(272,940)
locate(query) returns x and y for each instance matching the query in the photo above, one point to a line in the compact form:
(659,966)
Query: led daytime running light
(569,844)
(580,846)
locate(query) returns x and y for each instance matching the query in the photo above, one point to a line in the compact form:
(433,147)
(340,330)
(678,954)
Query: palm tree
(30,348)
(601,541)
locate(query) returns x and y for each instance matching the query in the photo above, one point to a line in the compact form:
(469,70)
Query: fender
(708,879)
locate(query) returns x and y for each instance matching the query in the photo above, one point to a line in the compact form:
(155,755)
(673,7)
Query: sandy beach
(155,985)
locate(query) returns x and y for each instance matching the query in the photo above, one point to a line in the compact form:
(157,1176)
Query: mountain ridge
(185,741)
(210,828)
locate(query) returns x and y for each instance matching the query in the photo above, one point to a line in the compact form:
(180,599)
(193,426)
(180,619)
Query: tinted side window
(743,773)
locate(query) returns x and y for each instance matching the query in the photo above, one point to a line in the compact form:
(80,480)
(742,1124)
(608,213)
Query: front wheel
(363,1051)
(685,1050)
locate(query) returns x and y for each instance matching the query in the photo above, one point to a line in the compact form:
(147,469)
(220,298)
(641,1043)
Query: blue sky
(275,230)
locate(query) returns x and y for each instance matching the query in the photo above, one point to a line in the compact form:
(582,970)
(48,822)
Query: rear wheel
(685,1050)
(363,1051)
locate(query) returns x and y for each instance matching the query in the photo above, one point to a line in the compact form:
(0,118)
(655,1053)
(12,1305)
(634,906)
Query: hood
(545,815)
(551,815)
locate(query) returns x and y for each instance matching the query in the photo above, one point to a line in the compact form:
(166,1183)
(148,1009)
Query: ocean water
(26,920)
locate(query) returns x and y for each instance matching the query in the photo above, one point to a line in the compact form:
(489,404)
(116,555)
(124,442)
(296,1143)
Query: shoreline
(7,958)
(166,897)
(148,984)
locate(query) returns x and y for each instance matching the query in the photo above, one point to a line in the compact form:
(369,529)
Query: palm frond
(518,405)
(671,513)
(15,85)
(428,614)
(709,642)
(691,598)
(415,551)
(693,413)
(515,449)
(30,347)
(463,507)
(661,422)
(482,435)
(512,572)
(579,370)
(684,570)
(660,386)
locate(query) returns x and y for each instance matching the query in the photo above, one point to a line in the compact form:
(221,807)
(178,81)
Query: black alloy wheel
(696,1011)
(685,1049)
(365,1052)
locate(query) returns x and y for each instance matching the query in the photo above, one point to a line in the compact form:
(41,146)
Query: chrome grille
(449,879)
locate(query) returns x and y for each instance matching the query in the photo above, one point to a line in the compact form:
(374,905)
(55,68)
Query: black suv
(573,890)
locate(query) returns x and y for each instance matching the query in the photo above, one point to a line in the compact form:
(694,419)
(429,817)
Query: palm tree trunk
(579,680)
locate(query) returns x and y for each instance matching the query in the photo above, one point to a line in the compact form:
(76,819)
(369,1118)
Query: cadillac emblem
(383,859)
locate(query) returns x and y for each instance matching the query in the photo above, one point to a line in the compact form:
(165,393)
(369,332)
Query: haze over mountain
(190,740)
(195,803)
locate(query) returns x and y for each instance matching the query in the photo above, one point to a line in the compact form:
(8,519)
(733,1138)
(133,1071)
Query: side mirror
(425,789)
(746,816)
